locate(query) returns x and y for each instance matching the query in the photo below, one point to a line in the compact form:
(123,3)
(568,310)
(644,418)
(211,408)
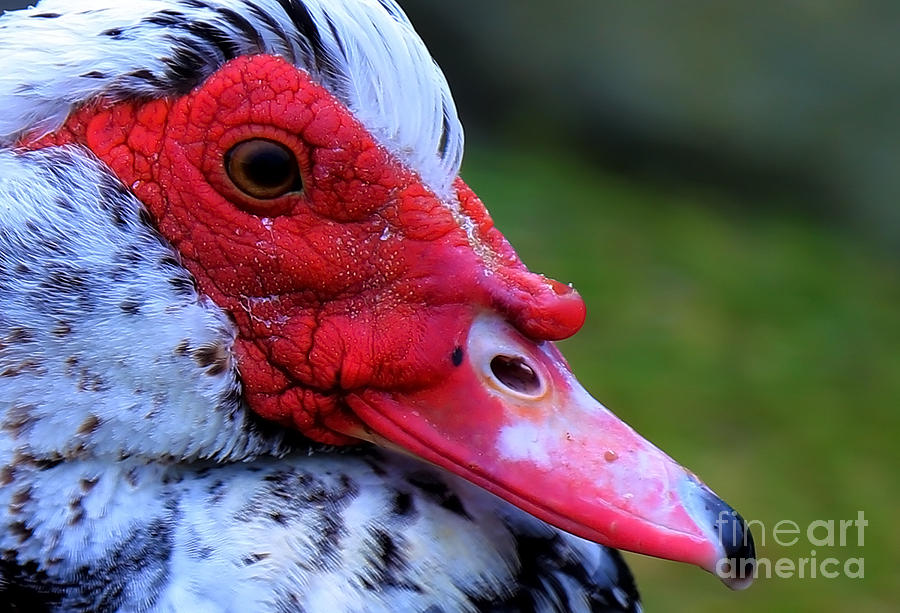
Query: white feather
(376,65)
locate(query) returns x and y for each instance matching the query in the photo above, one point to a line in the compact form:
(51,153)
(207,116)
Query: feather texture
(364,51)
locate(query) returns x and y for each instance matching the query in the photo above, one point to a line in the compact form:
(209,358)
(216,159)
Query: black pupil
(268,164)
(263,169)
(515,374)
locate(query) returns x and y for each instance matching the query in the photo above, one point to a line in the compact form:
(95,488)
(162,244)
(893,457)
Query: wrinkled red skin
(365,281)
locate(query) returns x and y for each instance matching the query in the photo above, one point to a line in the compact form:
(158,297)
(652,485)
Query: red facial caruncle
(369,307)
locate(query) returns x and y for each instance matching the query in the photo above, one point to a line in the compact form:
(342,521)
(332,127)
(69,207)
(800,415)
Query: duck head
(373,302)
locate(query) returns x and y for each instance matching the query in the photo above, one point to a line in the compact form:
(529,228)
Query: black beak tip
(737,567)
(737,541)
(738,564)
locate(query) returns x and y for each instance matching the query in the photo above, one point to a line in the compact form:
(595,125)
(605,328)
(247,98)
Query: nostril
(515,374)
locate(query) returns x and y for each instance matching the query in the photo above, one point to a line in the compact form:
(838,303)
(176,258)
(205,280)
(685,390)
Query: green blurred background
(719,181)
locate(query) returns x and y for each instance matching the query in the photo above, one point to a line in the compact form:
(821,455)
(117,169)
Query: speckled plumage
(134,478)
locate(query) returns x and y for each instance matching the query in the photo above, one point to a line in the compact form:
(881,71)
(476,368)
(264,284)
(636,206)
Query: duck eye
(263,169)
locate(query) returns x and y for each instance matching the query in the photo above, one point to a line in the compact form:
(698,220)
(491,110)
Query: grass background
(756,346)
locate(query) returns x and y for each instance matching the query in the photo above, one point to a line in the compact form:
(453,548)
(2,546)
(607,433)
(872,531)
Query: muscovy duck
(261,349)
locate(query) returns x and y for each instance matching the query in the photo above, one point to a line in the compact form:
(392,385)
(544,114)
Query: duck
(262,348)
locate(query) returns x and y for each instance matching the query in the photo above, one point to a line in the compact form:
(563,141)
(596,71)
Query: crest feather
(64,53)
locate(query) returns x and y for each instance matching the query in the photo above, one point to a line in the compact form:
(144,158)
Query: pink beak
(512,419)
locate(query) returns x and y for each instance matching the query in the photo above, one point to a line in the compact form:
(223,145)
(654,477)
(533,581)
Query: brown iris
(263,169)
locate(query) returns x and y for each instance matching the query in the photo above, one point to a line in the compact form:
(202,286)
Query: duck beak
(512,419)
